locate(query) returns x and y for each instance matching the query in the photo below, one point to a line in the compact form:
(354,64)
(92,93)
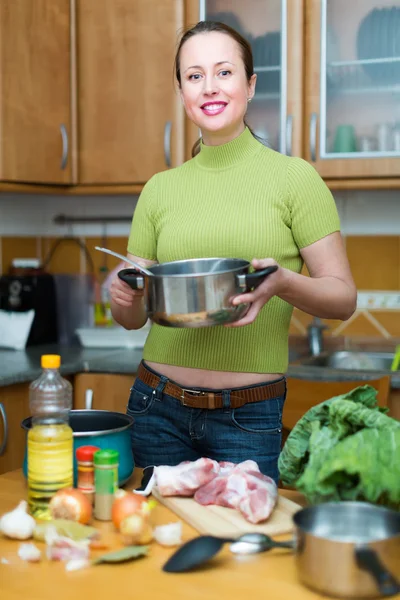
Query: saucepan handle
(367,559)
(132,277)
(253,280)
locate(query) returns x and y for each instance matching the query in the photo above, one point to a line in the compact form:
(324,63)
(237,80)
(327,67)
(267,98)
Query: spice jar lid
(106,457)
(86,453)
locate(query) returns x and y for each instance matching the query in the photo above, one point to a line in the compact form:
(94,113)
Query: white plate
(112,337)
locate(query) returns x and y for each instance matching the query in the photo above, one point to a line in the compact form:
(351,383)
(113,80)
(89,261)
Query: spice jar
(84,458)
(105,482)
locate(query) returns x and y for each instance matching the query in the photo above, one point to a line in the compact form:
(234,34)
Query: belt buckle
(194,392)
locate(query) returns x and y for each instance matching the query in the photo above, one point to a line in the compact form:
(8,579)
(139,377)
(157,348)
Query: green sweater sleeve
(142,239)
(313,210)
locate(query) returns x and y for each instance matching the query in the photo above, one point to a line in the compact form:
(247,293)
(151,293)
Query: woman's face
(214,87)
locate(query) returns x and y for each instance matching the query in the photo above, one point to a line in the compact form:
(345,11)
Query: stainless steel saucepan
(349,549)
(196,292)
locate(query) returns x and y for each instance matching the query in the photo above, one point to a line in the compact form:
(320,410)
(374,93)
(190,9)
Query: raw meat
(245,489)
(241,486)
(184,479)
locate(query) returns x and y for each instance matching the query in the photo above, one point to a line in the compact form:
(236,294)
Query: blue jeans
(165,432)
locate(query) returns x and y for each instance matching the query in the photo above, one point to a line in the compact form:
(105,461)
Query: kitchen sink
(354,360)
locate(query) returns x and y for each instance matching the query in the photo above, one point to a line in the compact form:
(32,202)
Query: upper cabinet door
(274,29)
(36,117)
(130,114)
(353,87)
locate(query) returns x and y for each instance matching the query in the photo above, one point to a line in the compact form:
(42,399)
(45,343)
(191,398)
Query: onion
(126,504)
(71,504)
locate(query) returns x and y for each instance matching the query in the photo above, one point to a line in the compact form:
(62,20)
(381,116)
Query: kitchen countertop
(271,574)
(19,366)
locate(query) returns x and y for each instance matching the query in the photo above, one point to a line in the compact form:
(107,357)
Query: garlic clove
(75,564)
(29,552)
(169,535)
(17,524)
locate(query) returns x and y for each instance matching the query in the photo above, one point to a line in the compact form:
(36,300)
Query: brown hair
(208,27)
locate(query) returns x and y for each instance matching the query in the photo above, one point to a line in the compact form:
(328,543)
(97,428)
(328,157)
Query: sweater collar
(229,154)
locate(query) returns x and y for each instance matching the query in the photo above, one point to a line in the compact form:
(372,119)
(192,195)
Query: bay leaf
(71,529)
(123,555)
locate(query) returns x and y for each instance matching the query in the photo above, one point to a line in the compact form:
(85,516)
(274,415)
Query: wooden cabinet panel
(102,391)
(14,400)
(35,91)
(394,403)
(126,89)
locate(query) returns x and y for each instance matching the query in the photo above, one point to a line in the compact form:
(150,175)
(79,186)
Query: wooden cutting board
(229,522)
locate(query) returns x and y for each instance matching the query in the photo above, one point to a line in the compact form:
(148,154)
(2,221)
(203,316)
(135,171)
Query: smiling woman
(219,392)
(210,88)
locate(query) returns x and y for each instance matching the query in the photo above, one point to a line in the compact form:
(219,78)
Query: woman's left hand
(273,285)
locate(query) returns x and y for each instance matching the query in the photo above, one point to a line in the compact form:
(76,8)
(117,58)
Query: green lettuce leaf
(363,466)
(295,454)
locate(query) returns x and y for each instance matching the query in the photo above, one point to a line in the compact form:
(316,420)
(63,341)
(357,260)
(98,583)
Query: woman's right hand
(122,294)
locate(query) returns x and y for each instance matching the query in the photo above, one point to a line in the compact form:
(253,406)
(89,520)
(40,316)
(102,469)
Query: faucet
(315,337)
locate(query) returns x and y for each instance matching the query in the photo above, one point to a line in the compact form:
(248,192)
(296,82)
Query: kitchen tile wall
(370,225)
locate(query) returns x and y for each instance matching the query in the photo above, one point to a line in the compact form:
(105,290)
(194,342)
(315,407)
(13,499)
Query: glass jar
(105,482)
(85,467)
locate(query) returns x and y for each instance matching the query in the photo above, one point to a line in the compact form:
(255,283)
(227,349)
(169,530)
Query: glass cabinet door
(359,95)
(264,24)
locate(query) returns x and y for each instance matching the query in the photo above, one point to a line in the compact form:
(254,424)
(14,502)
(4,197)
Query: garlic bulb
(17,524)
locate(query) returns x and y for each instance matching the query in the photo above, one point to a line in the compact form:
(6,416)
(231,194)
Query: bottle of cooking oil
(50,442)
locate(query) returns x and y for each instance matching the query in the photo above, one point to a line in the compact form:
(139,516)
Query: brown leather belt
(209,399)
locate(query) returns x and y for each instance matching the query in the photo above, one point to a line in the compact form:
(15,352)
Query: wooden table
(271,575)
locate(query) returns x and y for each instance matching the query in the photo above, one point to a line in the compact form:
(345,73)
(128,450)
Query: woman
(219,391)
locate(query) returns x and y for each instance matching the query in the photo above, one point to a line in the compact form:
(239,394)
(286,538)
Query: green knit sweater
(238,200)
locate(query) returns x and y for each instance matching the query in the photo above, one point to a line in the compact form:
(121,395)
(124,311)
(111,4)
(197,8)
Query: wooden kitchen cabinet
(394,403)
(352,88)
(102,391)
(88,97)
(87,91)
(37,116)
(345,87)
(14,408)
(303,394)
(130,115)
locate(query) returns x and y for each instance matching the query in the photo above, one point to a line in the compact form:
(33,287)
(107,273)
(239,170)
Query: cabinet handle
(5,424)
(167,143)
(88,399)
(64,138)
(289,134)
(313,136)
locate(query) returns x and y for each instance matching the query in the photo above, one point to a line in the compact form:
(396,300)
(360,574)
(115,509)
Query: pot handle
(367,559)
(133,278)
(253,280)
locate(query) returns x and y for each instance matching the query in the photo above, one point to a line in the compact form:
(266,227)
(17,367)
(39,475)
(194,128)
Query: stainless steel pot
(349,549)
(196,292)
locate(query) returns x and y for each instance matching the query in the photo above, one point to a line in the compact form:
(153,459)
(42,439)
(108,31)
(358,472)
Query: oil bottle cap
(51,361)
(106,457)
